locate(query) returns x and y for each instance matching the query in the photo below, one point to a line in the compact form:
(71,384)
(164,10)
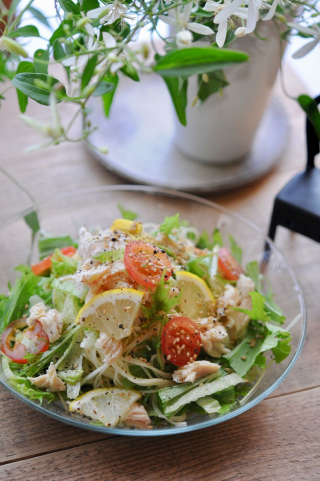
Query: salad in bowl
(140,326)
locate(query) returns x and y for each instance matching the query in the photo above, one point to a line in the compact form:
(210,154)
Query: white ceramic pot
(222,129)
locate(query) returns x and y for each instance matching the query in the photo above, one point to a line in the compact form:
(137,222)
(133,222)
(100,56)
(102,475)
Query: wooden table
(277,440)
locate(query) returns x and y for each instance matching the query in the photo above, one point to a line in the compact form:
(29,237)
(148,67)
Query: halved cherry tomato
(146,263)
(228,267)
(43,266)
(181,341)
(12,336)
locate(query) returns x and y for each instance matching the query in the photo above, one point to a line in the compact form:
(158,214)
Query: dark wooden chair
(297,206)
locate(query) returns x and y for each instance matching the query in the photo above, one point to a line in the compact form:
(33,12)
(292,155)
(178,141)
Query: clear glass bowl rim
(177,430)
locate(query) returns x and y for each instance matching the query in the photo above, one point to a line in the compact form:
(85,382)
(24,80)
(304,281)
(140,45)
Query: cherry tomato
(181,341)
(43,266)
(11,344)
(228,267)
(146,263)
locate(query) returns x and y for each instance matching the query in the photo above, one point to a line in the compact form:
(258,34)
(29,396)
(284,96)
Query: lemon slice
(129,226)
(109,405)
(112,312)
(196,299)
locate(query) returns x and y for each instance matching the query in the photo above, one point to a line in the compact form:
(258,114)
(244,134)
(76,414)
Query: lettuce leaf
(47,245)
(24,386)
(235,249)
(209,242)
(172,402)
(169,224)
(13,306)
(249,352)
(62,265)
(127,214)
(160,300)
(258,312)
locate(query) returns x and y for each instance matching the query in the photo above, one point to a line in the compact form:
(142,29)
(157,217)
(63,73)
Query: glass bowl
(66,213)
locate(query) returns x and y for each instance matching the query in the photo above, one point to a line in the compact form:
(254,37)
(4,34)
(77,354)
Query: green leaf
(59,32)
(22,98)
(25,83)
(108,97)
(249,352)
(235,249)
(32,221)
(110,256)
(26,388)
(253,271)
(199,266)
(243,357)
(129,71)
(88,71)
(178,90)
(13,307)
(87,5)
(62,265)
(47,245)
(58,51)
(41,67)
(103,88)
(217,81)
(69,6)
(161,300)
(217,238)
(39,16)
(196,60)
(310,107)
(258,312)
(170,223)
(127,214)
(209,404)
(27,31)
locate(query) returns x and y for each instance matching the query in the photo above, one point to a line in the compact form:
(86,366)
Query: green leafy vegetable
(209,404)
(161,300)
(127,214)
(13,307)
(110,256)
(235,249)
(170,223)
(173,400)
(207,242)
(47,245)
(249,352)
(258,312)
(62,265)
(24,386)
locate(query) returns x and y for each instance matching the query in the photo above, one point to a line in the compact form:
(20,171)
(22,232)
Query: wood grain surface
(277,440)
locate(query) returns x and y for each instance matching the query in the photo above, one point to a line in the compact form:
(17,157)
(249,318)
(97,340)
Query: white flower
(272,10)
(109,14)
(313,31)
(253,14)
(115,61)
(223,13)
(51,130)
(184,38)
(240,32)
(180,19)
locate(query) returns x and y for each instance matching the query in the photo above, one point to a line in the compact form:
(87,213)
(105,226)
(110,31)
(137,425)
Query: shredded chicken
(137,416)
(92,244)
(51,320)
(49,381)
(109,347)
(214,336)
(195,370)
(236,322)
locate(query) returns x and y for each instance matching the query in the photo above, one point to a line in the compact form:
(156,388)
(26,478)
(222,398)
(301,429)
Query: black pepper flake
(121,326)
